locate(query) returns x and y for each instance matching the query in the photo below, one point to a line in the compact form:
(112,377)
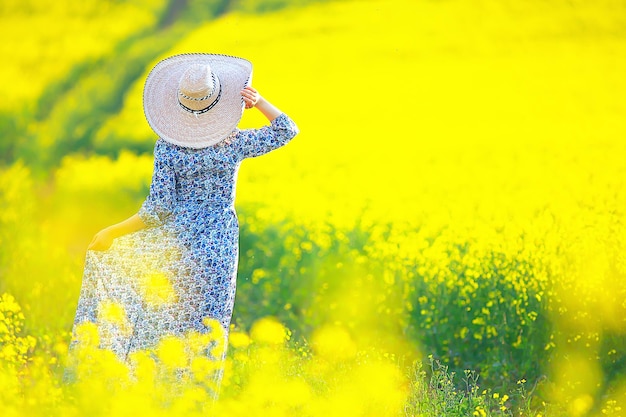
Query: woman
(171,268)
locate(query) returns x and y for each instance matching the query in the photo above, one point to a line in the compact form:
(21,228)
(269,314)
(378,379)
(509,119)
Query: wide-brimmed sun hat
(194,100)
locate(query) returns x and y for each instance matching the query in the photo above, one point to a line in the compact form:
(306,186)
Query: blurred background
(457,188)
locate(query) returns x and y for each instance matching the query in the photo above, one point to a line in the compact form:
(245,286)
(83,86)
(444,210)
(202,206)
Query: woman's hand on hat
(250,97)
(101,241)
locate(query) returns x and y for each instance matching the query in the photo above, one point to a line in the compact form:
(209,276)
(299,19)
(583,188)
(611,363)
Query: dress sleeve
(256,142)
(160,202)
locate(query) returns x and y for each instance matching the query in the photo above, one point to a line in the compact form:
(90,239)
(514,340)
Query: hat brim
(176,125)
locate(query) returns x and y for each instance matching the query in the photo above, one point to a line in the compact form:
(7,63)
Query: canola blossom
(445,237)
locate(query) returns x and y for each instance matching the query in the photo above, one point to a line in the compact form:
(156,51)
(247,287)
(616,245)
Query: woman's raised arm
(252,98)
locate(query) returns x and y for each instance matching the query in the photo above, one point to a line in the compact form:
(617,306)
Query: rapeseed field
(445,237)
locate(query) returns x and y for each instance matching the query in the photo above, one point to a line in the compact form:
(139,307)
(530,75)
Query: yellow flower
(171,352)
(269,331)
(144,366)
(198,343)
(157,289)
(113,313)
(479,412)
(217,335)
(204,368)
(86,334)
(239,340)
(333,343)
(581,405)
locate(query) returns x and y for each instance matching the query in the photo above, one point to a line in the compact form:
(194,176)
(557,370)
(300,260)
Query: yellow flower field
(445,237)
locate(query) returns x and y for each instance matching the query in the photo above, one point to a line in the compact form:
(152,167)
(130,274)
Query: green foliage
(483,311)
(436,391)
(264,6)
(286,271)
(12,134)
(199,11)
(99,88)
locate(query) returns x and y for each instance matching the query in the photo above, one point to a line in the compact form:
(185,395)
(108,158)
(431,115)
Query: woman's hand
(250,96)
(101,241)
(104,238)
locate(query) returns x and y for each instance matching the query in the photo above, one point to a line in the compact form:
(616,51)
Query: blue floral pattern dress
(168,278)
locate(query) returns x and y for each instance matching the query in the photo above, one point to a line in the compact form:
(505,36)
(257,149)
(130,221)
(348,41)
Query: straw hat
(194,100)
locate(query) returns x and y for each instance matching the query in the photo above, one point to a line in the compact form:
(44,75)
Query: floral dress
(170,277)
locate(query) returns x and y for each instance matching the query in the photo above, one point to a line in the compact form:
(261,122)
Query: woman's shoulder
(163,144)
(170,153)
(164,147)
